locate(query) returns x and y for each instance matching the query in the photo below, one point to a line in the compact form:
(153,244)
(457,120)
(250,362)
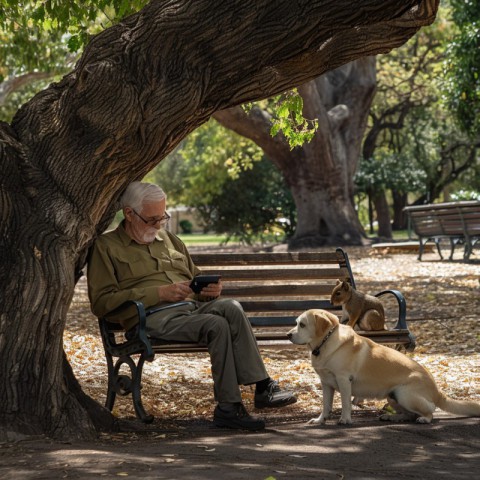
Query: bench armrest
(402,316)
(402,307)
(136,338)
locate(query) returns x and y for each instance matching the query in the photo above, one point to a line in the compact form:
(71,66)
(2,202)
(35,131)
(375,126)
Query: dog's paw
(358,402)
(344,421)
(317,421)
(423,420)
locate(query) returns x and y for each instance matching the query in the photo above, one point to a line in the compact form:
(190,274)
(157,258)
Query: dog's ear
(332,318)
(339,282)
(322,323)
(345,286)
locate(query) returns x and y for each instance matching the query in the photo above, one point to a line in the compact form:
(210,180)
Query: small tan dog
(357,366)
(358,308)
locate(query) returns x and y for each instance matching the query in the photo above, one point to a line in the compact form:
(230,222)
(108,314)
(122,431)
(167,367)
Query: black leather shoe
(274,397)
(235,416)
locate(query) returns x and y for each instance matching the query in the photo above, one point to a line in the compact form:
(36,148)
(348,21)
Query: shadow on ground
(370,449)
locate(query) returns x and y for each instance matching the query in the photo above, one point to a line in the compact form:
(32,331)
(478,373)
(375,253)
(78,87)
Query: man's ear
(128,213)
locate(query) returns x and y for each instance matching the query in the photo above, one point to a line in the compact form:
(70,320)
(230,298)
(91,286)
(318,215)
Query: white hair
(138,194)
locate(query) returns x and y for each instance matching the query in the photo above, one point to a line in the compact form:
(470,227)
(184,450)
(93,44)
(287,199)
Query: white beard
(150,235)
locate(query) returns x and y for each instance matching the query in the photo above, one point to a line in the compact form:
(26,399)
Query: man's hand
(211,291)
(176,292)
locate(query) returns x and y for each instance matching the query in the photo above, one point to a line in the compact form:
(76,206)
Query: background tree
(264,213)
(213,171)
(139,88)
(319,173)
(386,171)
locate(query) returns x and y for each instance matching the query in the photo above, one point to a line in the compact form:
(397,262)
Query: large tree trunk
(139,88)
(320,174)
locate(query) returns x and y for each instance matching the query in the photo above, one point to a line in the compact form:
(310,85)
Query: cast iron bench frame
(273,288)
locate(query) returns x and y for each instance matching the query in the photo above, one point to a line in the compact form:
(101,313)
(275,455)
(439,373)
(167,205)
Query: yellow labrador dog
(357,366)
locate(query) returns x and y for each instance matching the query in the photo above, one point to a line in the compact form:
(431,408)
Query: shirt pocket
(178,262)
(129,267)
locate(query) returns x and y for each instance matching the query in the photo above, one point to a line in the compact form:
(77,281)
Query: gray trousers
(222,326)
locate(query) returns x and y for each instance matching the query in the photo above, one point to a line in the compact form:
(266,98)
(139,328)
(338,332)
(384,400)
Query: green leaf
(75,43)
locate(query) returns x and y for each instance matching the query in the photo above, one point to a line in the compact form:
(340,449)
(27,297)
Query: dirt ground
(443,300)
(449,448)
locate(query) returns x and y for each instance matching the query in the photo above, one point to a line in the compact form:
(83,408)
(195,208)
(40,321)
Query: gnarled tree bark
(139,88)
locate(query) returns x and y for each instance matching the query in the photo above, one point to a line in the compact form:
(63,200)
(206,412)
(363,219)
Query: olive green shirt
(120,269)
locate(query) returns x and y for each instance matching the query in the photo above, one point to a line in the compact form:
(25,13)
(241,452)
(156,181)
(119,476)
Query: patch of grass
(400,235)
(201,239)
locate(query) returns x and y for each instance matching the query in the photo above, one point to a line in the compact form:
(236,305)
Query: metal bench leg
(437,243)
(125,385)
(420,248)
(111,393)
(452,248)
(468,249)
(137,395)
(472,242)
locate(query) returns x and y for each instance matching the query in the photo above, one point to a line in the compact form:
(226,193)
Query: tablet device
(201,281)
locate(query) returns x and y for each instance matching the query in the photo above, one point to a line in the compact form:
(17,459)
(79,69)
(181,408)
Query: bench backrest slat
(471,218)
(272,289)
(284,305)
(271,273)
(231,259)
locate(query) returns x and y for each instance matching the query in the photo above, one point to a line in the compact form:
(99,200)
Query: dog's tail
(468,408)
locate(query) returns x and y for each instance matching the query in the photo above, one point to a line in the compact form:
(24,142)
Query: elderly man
(142,261)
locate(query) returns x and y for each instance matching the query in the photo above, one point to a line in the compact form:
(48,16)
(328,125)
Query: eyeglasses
(153,221)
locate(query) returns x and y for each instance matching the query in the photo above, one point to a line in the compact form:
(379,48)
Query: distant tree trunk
(400,219)
(139,88)
(377,197)
(320,173)
(383,215)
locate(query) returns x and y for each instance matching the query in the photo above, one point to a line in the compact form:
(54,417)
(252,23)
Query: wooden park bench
(459,222)
(273,288)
